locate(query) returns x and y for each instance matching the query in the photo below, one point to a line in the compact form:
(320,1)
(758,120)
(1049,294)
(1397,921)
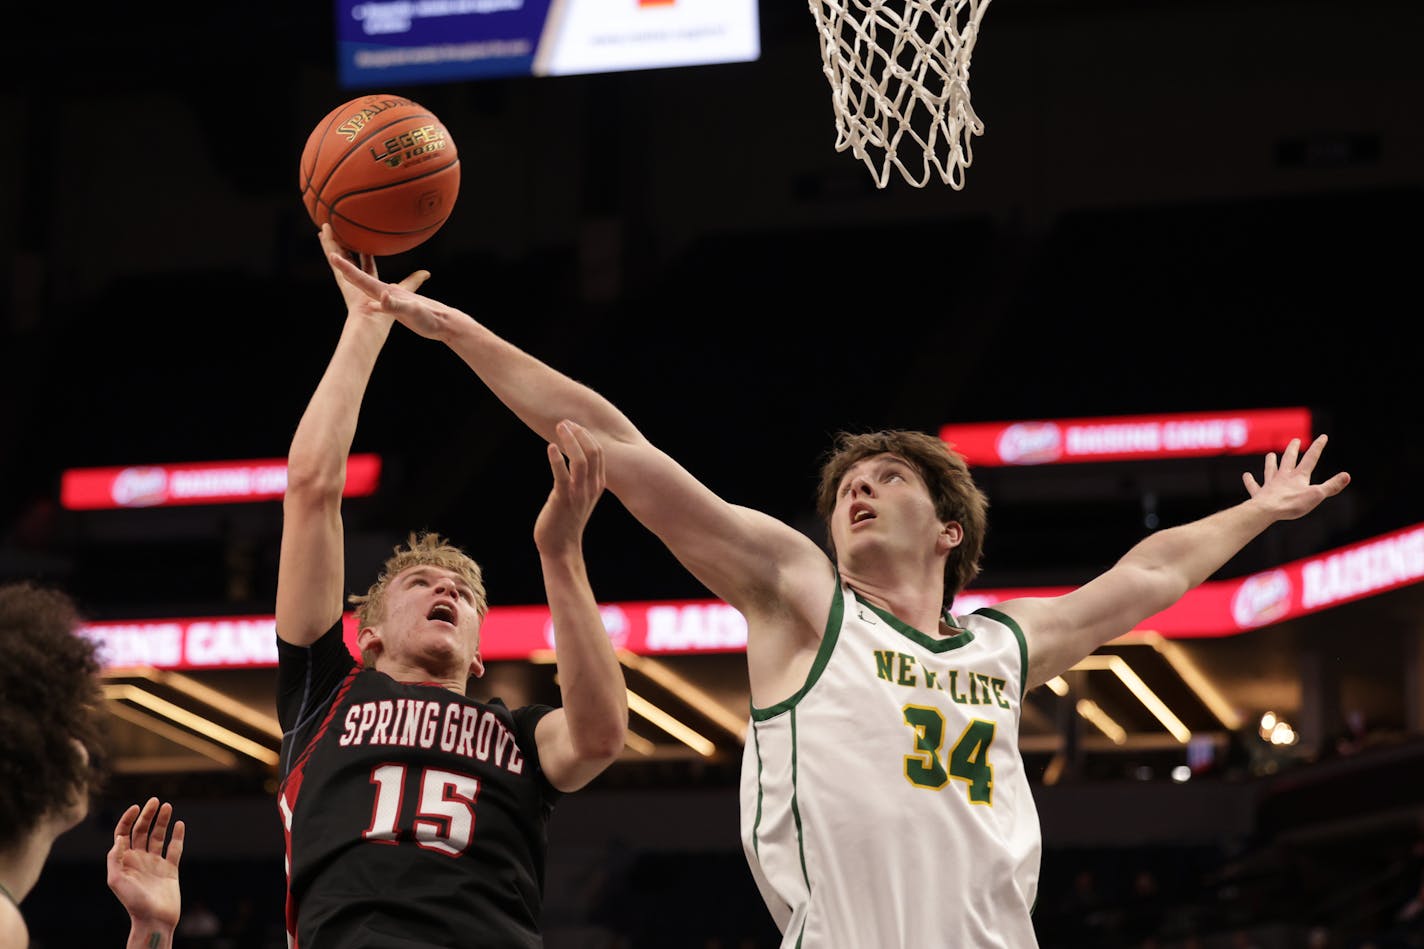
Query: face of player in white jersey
(431,623)
(884,515)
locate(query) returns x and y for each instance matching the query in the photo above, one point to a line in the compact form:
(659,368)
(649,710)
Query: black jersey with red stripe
(414,816)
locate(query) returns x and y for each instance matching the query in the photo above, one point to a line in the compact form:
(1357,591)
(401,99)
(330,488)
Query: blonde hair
(421,549)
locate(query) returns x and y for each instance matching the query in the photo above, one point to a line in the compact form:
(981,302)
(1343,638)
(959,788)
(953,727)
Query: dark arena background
(1176,207)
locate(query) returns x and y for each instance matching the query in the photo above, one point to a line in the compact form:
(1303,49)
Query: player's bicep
(1061,631)
(739,554)
(311,572)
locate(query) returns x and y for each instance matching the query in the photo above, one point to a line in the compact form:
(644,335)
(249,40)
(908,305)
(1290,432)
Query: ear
(369,637)
(950,537)
(477,665)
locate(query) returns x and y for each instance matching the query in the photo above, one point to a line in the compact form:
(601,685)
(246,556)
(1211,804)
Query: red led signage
(1128,437)
(1218,608)
(206,482)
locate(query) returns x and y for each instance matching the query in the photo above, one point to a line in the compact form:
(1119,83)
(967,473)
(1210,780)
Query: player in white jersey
(892,779)
(846,857)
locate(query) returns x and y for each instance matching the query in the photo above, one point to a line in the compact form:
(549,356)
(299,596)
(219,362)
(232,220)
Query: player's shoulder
(14,934)
(986,615)
(1020,613)
(994,623)
(504,710)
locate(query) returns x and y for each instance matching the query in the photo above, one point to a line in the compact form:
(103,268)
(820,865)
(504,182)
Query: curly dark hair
(956,496)
(51,704)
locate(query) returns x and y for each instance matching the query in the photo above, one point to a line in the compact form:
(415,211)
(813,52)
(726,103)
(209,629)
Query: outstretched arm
(746,558)
(577,741)
(311,572)
(1159,570)
(145,879)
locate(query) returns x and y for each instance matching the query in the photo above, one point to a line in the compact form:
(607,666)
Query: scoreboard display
(382,43)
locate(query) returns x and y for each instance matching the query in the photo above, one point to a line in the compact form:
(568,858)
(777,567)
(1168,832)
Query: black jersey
(414,816)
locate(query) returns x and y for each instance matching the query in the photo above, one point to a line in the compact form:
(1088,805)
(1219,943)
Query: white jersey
(885,804)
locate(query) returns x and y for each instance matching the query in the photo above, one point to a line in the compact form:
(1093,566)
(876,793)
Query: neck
(920,606)
(413,674)
(20,866)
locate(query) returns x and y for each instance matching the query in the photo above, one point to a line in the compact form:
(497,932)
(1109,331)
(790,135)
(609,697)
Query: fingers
(146,829)
(1336,484)
(1296,465)
(415,280)
(141,826)
(329,242)
(372,285)
(566,447)
(557,466)
(1293,461)
(1312,454)
(1290,456)
(160,829)
(585,454)
(593,452)
(573,446)
(334,248)
(350,271)
(175,846)
(123,829)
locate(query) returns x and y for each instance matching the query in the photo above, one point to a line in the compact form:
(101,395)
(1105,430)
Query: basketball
(383,170)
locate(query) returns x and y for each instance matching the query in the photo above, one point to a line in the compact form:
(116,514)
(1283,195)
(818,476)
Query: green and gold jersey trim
(962,637)
(795,810)
(1009,621)
(823,656)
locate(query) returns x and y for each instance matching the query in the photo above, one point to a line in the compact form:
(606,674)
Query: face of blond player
(431,623)
(884,516)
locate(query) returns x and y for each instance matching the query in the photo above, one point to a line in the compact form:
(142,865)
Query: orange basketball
(383,170)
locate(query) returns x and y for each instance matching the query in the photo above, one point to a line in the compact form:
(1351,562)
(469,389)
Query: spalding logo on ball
(383,170)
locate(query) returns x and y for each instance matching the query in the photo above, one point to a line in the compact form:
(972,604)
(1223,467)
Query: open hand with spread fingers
(1285,487)
(143,876)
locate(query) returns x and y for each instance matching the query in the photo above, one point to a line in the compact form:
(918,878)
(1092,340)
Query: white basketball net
(899,75)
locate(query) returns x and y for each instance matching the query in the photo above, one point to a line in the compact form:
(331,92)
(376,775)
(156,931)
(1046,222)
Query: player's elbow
(604,744)
(309,481)
(601,740)
(1162,587)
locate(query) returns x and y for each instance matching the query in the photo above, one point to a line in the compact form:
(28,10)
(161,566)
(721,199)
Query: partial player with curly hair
(52,766)
(52,740)
(52,745)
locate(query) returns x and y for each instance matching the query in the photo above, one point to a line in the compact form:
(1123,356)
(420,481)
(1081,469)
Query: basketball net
(899,75)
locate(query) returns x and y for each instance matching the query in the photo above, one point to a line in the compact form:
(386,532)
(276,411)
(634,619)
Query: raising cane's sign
(1128,437)
(1220,608)
(207,482)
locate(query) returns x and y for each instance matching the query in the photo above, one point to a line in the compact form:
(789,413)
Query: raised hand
(1285,487)
(143,878)
(356,297)
(397,301)
(578,484)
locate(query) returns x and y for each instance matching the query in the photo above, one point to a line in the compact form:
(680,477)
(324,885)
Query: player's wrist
(150,932)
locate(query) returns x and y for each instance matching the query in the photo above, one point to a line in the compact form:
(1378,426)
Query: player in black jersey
(416,816)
